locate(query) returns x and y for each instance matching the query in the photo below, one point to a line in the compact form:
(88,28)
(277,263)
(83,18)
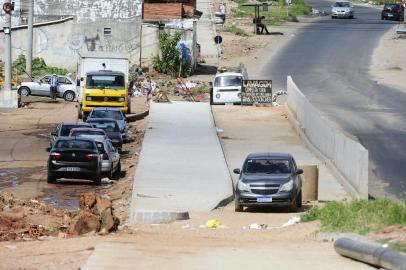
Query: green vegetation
(201,89)
(39,67)
(358,216)
(277,12)
(237,31)
(169,60)
(395,68)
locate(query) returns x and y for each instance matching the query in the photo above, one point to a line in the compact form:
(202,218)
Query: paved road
(182,166)
(329,60)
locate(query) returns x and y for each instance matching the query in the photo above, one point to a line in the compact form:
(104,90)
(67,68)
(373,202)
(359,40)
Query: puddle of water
(8,178)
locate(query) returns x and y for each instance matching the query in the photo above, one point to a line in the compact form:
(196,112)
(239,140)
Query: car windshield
(87,133)
(342,4)
(116,115)
(391,6)
(105,81)
(228,81)
(106,126)
(74,144)
(268,166)
(65,130)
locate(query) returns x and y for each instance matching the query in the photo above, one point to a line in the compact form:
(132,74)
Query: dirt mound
(34,219)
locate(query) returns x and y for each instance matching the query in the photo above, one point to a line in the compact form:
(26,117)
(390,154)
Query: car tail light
(91,157)
(55,156)
(105,156)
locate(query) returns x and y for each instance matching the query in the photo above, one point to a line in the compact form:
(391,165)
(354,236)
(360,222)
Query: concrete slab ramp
(182,167)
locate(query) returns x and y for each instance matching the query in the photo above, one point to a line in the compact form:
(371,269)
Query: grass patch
(237,31)
(395,68)
(277,12)
(358,216)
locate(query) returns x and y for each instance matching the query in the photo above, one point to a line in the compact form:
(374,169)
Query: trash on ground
(291,221)
(212,224)
(256,226)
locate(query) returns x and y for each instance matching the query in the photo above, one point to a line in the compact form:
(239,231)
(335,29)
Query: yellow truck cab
(105,87)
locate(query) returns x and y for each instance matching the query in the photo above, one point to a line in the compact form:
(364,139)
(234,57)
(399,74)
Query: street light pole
(30,36)
(7,7)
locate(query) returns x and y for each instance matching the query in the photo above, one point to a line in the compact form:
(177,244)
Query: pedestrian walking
(260,25)
(53,82)
(147,90)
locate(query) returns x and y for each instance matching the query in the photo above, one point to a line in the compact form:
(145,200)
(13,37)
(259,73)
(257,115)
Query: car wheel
(24,91)
(352,17)
(69,96)
(97,180)
(293,206)
(51,179)
(238,207)
(332,17)
(116,175)
(299,200)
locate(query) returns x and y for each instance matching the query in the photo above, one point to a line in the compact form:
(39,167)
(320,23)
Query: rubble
(35,220)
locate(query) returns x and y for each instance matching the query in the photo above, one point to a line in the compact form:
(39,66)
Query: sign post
(256,91)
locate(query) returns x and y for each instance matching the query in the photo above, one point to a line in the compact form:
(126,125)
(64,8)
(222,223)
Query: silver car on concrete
(41,87)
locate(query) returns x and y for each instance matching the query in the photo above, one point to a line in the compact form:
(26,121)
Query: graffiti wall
(60,44)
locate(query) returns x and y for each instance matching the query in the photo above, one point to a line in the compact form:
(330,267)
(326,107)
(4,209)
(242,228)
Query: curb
(156,216)
(136,117)
(342,180)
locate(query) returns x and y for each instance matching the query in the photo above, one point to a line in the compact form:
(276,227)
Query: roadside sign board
(256,91)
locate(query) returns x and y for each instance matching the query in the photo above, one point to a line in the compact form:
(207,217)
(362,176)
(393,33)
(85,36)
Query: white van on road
(227,88)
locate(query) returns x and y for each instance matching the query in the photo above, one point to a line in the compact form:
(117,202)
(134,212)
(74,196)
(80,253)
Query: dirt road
(24,134)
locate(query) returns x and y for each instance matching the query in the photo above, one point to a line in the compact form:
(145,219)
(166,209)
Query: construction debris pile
(36,220)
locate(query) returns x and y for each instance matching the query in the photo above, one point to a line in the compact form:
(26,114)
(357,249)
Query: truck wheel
(129,106)
(80,112)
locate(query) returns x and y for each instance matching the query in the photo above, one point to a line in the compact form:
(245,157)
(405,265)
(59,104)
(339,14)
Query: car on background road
(111,163)
(41,87)
(74,158)
(269,179)
(112,129)
(64,128)
(113,113)
(393,11)
(342,9)
(226,88)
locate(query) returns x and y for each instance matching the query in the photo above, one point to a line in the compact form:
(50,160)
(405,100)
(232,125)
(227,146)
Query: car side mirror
(237,171)
(48,149)
(53,133)
(299,171)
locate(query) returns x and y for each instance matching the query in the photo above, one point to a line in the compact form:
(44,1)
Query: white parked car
(342,9)
(41,87)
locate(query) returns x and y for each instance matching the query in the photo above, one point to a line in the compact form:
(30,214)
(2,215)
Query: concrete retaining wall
(347,157)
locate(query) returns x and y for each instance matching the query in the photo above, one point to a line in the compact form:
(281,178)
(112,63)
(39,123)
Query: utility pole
(30,36)
(8,7)
(8,98)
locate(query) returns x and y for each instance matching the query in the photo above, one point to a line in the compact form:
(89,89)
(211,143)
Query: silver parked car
(111,164)
(41,87)
(342,9)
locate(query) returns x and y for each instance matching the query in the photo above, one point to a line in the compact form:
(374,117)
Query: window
(74,144)
(106,126)
(105,81)
(66,129)
(223,81)
(268,166)
(107,31)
